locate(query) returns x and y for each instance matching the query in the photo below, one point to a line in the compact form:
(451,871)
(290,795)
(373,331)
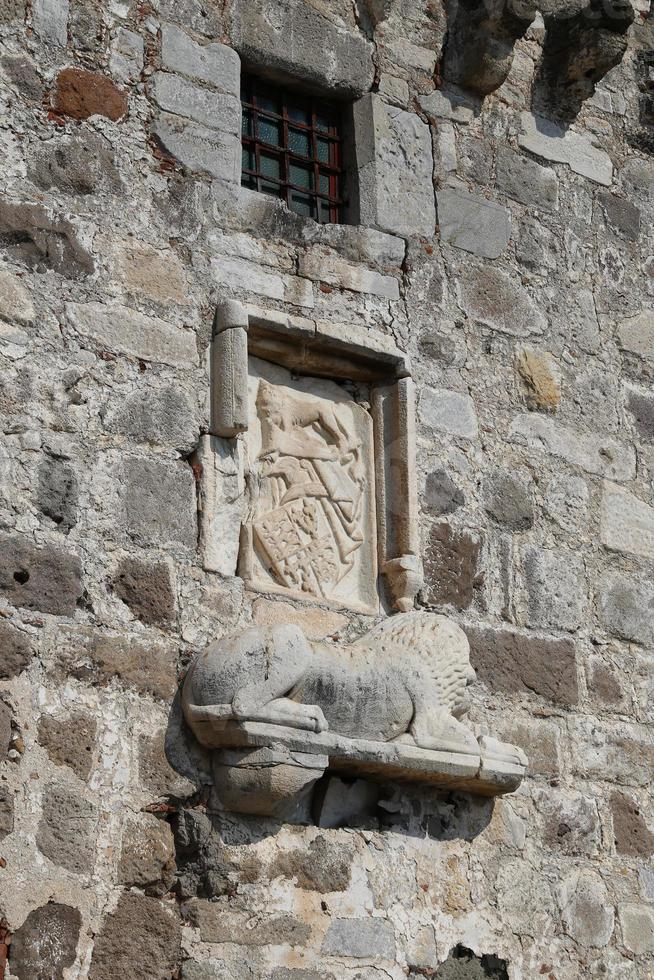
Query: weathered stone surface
(78,165)
(81,94)
(16,650)
(198,149)
(556,588)
(571,822)
(50,20)
(621,215)
(215,64)
(67,829)
(323,265)
(449,411)
(15,303)
(508,500)
(39,239)
(5,729)
(6,813)
(587,915)
(637,925)
(541,378)
(626,607)
(522,179)
(155,772)
(553,141)
(218,924)
(153,272)
(631,834)
(124,331)
(627,523)
(442,495)
(69,741)
(12,10)
(636,335)
(517,663)
(603,683)
(159,501)
(641,406)
(141,937)
(163,416)
(499,301)
(451,566)
(57,492)
(216,110)
(99,658)
(46,943)
(470,222)
(325,866)
(46,579)
(146,857)
(316,624)
(601,455)
(127,52)
(253,278)
(301,42)
(360,939)
(22,73)
(462,964)
(146,589)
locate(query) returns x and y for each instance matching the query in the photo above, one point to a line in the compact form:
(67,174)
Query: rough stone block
(360,938)
(147,854)
(570,821)
(621,215)
(518,663)
(57,492)
(619,753)
(46,943)
(636,335)
(69,741)
(81,94)
(162,416)
(5,729)
(152,272)
(297,40)
(155,772)
(159,502)
(15,302)
(77,165)
(22,73)
(447,105)
(215,64)
(451,566)
(199,149)
(499,301)
(552,141)
(601,455)
(449,411)
(556,588)
(637,925)
(40,239)
(539,739)
(16,650)
(316,624)
(566,502)
(626,522)
(325,266)
(541,378)
(631,834)
(100,658)
(626,607)
(45,579)
(124,331)
(181,97)
(603,683)
(146,589)
(68,829)
(325,866)
(127,54)
(394,163)
(586,912)
(141,937)
(508,500)
(641,406)
(6,813)
(50,21)
(253,278)
(218,924)
(12,10)
(526,181)
(470,222)
(441,495)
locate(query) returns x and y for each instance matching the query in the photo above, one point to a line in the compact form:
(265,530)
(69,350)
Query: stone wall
(511,255)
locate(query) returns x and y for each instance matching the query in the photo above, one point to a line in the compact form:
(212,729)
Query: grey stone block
(215,64)
(162,416)
(641,406)
(621,215)
(442,495)
(140,938)
(183,98)
(125,331)
(46,579)
(126,59)
(449,411)
(500,301)
(80,165)
(360,939)
(16,650)
(556,588)
(67,830)
(526,181)
(601,455)
(57,492)
(508,500)
(46,942)
(295,39)
(160,503)
(50,21)
(553,141)
(472,223)
(199,149)
(636,335)
(626,523)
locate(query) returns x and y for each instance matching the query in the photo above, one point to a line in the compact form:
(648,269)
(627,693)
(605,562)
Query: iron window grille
(292,149)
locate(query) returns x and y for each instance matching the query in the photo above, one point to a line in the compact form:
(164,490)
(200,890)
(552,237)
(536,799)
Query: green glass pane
(267,104)
(247,180)
(246,125)
(247,158)
(299,142)
(323,184)
(323,123)
(323,150)
(270,166)
(298,114)
(323,211)
(269,131)
(301,203)
(301,176)
(268,188)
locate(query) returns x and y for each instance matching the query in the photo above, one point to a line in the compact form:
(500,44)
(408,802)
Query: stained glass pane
(301,176)
(270,131)
(299,142)
(270,166)
(301,203)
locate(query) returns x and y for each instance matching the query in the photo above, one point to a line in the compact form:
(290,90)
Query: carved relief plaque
(311,528)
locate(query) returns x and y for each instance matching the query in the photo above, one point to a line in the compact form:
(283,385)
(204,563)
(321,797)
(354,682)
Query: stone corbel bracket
(322,349)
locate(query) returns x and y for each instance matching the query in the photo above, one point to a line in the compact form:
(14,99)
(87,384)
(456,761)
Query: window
(292,149)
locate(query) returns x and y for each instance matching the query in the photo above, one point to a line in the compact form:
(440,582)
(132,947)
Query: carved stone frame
(326,350)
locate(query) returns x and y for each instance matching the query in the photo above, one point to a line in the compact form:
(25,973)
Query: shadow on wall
(462,964)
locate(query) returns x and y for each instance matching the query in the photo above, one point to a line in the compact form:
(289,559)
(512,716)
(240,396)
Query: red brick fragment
(80,94)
